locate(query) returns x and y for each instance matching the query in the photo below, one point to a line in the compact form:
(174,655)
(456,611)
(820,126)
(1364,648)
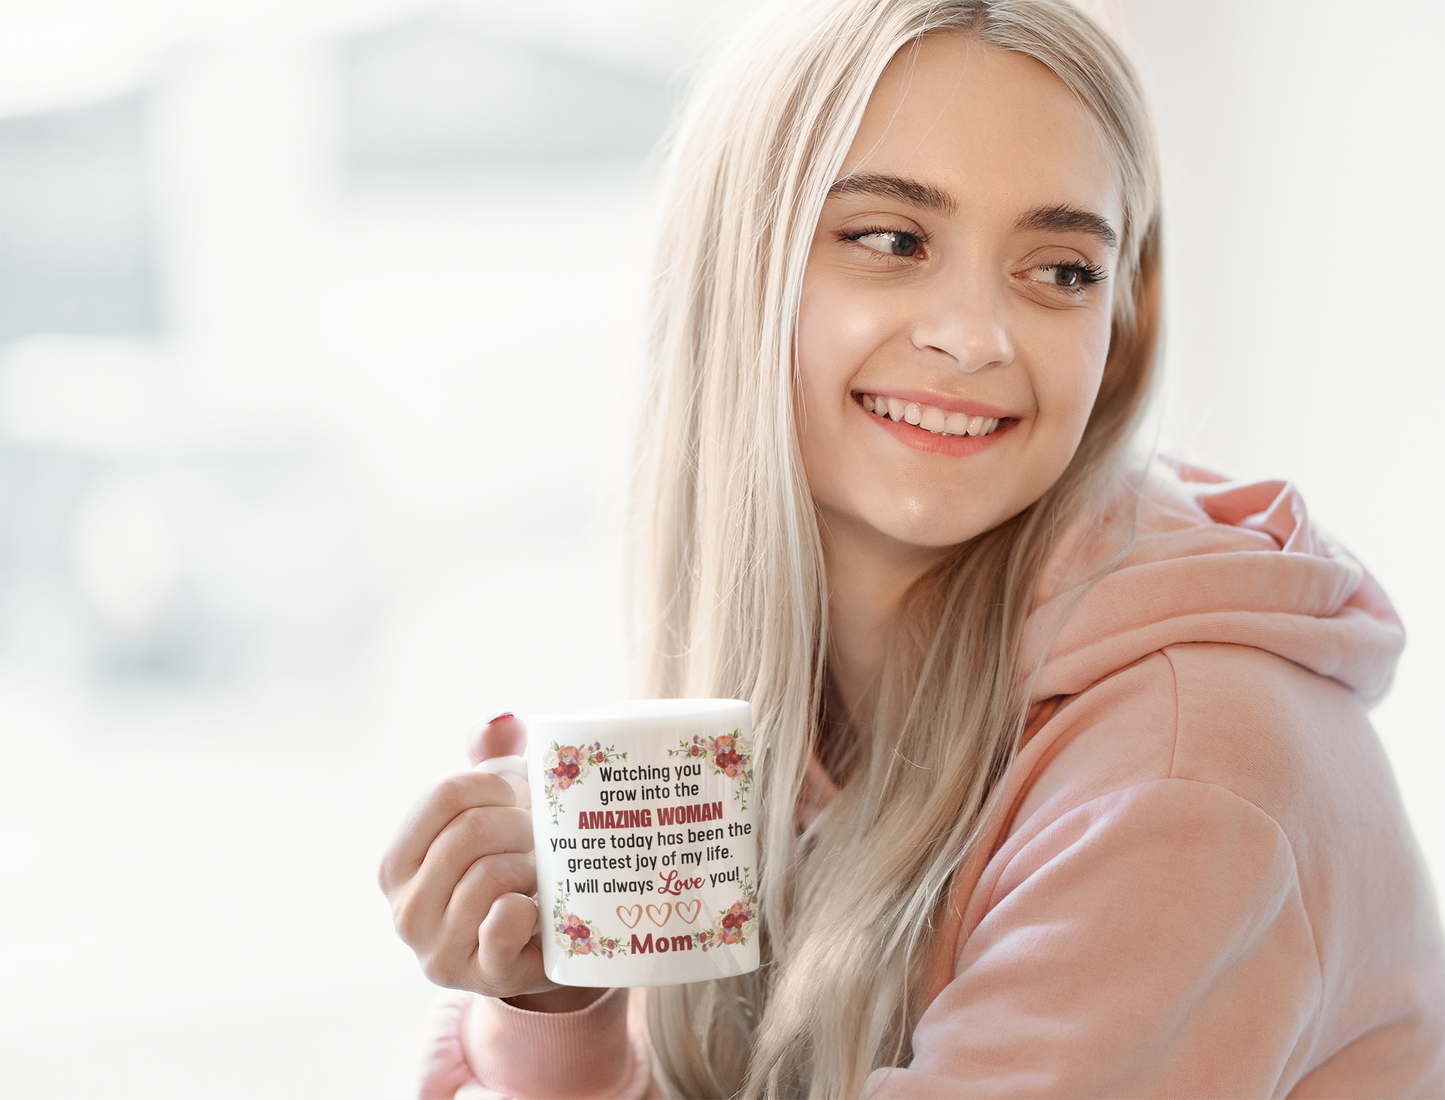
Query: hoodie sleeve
(1152,941)
(485,1049)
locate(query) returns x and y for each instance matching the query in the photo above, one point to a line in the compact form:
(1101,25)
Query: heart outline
(696,910)
(633,911)
(666,913)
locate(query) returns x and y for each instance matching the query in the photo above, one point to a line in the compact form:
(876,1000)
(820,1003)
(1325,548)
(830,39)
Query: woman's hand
(460,876)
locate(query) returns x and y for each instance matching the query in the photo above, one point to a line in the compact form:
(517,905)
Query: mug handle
(496,765)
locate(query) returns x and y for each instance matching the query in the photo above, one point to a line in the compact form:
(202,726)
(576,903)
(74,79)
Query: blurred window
(433,96)
(77,252)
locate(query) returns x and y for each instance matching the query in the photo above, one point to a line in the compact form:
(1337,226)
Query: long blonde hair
(729,589)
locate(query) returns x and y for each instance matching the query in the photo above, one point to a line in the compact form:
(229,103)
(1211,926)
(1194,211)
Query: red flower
(733,921)
(566,773)
(575,928)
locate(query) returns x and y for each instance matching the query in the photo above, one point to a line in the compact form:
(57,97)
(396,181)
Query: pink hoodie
(1198,879)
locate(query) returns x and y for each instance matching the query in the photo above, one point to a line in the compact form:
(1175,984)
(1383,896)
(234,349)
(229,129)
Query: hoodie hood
(1207,560)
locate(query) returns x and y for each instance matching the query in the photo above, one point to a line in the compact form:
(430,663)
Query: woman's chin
(924,527)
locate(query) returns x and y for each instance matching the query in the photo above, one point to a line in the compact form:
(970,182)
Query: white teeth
(928,417)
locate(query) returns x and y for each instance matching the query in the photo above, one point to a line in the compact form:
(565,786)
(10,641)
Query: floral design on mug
(735,923)
(727,754)
(565,766)
(578,936)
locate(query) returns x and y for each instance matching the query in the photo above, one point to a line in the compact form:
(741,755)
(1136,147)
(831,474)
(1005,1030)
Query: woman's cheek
(818,347)
(838,328)
(1073,389)
(823,369)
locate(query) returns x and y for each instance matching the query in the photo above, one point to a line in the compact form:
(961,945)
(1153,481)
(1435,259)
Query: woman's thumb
(498,746)
(503,735)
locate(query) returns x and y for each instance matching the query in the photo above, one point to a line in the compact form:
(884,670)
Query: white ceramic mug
(644,816)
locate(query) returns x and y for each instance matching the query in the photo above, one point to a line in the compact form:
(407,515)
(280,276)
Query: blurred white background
(319,329)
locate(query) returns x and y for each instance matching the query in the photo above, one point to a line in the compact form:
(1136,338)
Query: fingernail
(499,717)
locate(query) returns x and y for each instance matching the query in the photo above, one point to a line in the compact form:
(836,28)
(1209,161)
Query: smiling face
(956,307)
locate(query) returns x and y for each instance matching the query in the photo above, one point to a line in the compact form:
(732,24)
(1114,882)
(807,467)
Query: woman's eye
(891,242)
(1068,276)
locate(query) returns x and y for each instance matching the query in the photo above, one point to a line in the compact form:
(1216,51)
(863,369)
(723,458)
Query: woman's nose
(963,318)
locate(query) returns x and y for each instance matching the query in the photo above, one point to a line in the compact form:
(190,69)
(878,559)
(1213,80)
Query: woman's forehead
(984,124)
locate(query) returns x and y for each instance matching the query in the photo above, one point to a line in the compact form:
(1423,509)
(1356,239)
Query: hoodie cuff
(522,1054)
(444,1068)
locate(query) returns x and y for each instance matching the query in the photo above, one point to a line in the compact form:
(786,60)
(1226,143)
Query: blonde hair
(729,590)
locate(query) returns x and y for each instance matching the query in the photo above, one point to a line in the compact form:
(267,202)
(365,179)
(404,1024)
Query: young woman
(1068,786)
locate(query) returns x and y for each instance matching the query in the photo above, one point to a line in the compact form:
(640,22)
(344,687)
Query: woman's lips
(923,398)
(934,425)
(953,446)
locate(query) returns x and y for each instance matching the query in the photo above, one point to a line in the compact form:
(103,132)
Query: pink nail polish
(499,717)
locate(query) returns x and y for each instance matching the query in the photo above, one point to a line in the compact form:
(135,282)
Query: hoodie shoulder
(1170,561)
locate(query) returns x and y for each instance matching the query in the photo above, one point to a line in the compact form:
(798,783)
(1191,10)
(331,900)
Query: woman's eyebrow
(910,191)
(1069,219)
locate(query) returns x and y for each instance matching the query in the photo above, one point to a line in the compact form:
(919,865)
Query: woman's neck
(868,576)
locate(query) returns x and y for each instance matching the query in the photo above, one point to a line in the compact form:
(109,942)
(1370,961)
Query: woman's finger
(485,881)
(467,839)
(514,770)
(452,797)
(508,954)
(450,954)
